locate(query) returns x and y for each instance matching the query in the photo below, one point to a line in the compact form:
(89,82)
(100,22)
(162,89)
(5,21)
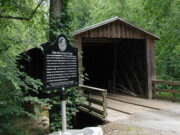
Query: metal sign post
(63,109)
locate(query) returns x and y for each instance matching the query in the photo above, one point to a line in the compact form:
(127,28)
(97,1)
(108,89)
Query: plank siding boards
(119,29)
(149,68)
(105,31)
(92,33)
(127,31)
(109,31)
(114,30)
(122,32)
(101,31)
(131,36)
(89,33)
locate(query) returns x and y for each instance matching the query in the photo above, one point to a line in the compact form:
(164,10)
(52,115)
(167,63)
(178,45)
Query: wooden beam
(127,79)
(153,60)
(137,79)
(150,62)
(114,67)
(140,89)
(166,82)
(93,88)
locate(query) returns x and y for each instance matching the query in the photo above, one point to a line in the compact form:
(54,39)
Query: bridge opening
(116,65)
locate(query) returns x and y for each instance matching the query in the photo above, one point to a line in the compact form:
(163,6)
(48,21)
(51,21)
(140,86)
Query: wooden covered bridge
(118,57)
(118,54)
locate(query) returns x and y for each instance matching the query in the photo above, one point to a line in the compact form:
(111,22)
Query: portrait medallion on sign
(62,44)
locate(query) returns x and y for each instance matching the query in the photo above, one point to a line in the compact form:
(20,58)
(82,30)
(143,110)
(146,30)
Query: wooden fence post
(173,92)
(104,104)
(153,90)
(89,98)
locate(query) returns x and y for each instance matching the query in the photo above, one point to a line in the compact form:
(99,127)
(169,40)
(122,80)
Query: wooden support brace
(115,67)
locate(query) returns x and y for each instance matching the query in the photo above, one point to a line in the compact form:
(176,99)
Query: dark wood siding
(114,30)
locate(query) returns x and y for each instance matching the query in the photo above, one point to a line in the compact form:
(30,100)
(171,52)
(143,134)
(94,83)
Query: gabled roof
(112,20)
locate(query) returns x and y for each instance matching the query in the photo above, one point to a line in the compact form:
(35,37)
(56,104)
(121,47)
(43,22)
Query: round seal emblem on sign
(62,44)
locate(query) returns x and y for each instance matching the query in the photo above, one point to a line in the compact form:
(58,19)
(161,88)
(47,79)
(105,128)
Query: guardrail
(170,92)
(96,101)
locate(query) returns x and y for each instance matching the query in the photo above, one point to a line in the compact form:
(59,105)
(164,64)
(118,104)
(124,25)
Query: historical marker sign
(61,65)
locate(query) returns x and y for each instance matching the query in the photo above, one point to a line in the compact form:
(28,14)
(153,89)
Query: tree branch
(23,18)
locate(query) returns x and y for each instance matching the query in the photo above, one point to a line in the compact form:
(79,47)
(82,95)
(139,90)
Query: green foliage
(62,24)
(80,11)
(74,99)
(16,37)
(160,17)
(88,12)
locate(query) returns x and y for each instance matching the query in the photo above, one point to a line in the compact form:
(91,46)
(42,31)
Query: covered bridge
(118,55)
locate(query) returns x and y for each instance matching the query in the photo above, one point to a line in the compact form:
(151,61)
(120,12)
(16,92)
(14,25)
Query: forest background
(161,17)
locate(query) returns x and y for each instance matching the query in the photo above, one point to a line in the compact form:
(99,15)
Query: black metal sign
(61,65)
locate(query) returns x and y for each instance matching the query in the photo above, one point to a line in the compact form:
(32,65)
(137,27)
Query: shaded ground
(155,122)
(120,129)
(84,119)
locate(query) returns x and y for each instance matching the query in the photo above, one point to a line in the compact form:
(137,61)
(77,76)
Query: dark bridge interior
(117,60)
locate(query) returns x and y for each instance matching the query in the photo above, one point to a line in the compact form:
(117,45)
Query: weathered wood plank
(131,33)
(119,30)
(95,101)
(105,104)
(98,93)
(106,31)
(96,32)
(149,68)
(127,32)
(115,29)
(89,93)
(166,82)
(167,90)
(101,31)
(93,88)
(109,30)
(173,91)
(115,67)
(123,31)
(93,109)
(127,79)
(157,104)
(92,113)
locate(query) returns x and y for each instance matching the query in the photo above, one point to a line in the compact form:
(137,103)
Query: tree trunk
(54,20)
